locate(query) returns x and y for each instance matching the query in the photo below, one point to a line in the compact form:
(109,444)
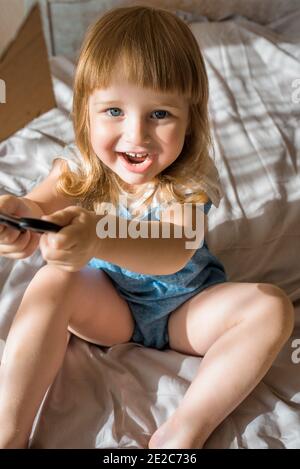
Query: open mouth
(135,160)
(137,164)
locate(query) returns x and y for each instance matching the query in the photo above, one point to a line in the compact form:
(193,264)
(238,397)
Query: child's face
(127,118)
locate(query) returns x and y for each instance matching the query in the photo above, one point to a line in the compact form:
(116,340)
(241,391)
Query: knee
(278,311)
(50,279)
(48,291)
(50,273)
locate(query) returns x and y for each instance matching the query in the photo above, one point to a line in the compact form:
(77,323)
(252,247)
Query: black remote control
(33,224)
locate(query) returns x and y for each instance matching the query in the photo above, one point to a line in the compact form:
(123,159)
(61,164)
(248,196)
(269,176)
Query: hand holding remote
(33,224)
(20,229)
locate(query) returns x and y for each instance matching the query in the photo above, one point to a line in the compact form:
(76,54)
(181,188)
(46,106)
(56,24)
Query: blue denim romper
(152,298)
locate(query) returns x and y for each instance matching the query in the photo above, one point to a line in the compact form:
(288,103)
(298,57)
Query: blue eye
(161,114)
(113,109)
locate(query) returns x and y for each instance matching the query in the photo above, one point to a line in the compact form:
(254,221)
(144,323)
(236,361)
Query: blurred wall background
(11,16)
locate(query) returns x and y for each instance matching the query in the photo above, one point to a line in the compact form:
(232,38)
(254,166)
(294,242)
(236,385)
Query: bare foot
(175,434)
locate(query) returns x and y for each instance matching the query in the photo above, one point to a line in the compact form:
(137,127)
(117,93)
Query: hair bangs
(149,50)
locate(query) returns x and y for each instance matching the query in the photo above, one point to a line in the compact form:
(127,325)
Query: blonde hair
(158,50)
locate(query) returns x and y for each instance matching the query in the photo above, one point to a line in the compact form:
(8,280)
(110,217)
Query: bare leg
(233,365)
(38,338)
(33,354)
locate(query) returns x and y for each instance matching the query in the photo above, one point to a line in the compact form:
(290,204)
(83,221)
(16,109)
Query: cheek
(172,133)
(100,137)
(174,138)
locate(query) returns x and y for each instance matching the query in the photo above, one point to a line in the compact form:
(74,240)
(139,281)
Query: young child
(142,132)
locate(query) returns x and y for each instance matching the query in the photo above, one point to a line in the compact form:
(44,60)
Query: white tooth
(135,155)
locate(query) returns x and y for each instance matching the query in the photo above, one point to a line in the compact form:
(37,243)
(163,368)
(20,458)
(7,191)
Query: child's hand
(74,245)
(13,243)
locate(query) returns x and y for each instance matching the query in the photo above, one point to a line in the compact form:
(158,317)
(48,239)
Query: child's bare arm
(44,199)
(177,238)
(150,256)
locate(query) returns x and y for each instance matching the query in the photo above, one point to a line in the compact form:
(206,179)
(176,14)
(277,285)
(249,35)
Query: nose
(137,131)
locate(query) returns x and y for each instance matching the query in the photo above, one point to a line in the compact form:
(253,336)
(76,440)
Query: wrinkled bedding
(116,397)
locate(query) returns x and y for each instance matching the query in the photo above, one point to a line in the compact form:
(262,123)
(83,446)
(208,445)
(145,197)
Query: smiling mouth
(135,160)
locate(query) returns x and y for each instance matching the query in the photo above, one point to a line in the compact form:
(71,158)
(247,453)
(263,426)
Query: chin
(136,181)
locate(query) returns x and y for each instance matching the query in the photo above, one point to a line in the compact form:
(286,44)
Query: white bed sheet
(116,397)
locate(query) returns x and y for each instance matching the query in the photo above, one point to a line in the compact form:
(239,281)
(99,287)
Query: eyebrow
(167,104)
